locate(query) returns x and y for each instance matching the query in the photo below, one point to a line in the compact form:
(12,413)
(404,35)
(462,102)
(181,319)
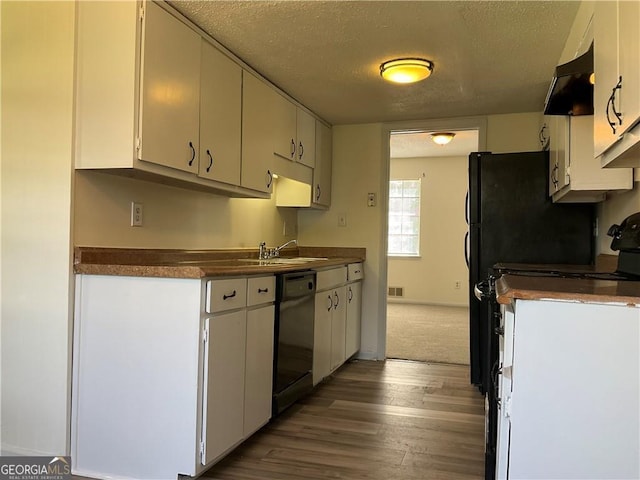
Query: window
(404,217)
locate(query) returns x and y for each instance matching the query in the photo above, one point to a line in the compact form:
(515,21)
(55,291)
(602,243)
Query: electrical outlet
(457,284)
(342,220)
(136,214)
(371,199)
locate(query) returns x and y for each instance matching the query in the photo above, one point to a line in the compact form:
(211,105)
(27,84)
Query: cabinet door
(170,110)
(354,313)
(306,134)
(257,134)
(322,335)
(338,327)
(322,170)
(220,116)
(605,63)
(559,150)
(259,368)
(629,58)
(223,404)
(284,121)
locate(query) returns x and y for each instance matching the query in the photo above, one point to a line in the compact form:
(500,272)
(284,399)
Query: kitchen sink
(282,260)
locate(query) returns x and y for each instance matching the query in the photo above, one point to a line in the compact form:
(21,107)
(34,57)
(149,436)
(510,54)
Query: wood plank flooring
(372,420)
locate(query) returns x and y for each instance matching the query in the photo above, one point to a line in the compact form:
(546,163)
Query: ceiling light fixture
(406,70)
(442,138)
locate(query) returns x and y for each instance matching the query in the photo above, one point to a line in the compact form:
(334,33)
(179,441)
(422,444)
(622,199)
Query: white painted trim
(463,123)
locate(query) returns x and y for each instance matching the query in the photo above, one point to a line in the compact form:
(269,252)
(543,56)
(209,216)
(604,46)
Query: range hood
(571,90)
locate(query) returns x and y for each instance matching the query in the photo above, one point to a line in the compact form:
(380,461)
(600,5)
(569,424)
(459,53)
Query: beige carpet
(428,333)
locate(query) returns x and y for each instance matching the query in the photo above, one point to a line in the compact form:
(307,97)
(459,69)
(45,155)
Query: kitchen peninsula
(174,352)
(568,378)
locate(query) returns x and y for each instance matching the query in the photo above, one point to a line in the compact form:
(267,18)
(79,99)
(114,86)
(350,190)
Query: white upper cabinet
(152,96)
(294,132)
(220,116)
(284,121)
(575,174)
(170,111)
(306,134)
(617,83)
(557,129)
(258,101)
(322,171)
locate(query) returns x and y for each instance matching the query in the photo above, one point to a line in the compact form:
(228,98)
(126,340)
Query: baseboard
(420,302)
(14,451)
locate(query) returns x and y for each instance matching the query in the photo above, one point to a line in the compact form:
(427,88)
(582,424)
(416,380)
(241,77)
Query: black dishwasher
(293,339)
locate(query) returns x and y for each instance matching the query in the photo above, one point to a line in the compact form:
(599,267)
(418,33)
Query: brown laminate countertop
(176,263)
(587,290)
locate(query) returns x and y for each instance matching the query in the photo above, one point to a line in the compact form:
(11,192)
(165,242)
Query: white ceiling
(490,56)
(419,144)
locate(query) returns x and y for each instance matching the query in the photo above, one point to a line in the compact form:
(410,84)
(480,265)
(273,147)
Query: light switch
(371,199)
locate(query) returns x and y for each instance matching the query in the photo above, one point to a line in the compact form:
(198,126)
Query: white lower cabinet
(337,318)
(258,378)
(171,376)
(354,314)
(223,401)
(569,391)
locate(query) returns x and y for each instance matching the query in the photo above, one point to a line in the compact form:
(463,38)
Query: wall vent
(396,292)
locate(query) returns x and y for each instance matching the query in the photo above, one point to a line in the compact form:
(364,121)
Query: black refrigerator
(513,220)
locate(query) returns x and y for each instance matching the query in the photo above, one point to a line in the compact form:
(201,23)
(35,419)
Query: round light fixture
(442,138)
(406,70)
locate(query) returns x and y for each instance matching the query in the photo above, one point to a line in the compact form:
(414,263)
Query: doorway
(427,276)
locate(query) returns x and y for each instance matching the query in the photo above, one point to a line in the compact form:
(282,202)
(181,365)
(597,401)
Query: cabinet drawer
(261,290)
(355,271)
(330,278)
(226,294)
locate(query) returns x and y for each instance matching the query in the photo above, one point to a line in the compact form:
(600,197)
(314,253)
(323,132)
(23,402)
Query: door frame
(446,124)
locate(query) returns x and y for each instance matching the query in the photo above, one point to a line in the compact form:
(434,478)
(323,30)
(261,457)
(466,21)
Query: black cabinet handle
(554,176)
(269,177)
(317,192)
(300,151)
(193,153)
(330,303)
(293,148)
(543,137)
(231,295)
(335,294)
(263,290)
(611,104)
(210,161)
(350,296)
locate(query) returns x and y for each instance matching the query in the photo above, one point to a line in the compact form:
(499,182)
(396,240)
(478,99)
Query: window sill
(403,256)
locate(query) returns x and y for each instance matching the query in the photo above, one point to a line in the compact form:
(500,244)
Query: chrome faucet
(267,253)
(276,251)
(263,253)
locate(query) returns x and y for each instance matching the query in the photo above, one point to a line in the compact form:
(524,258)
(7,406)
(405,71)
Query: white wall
(358,168)
(37,100)
(431,278)
(172,217)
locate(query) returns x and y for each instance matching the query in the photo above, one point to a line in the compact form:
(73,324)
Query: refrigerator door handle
(466,248)
(466,210)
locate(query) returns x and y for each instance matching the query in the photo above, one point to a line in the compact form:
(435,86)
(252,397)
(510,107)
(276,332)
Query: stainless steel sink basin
(282,260)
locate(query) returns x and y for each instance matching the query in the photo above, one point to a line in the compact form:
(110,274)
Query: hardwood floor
(372,420)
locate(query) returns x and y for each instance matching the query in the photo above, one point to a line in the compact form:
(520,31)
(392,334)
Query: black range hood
(571,90)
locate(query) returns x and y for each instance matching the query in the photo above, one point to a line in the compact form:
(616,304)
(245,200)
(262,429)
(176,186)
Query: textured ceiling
(490,57)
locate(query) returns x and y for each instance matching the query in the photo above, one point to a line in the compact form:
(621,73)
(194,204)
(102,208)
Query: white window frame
(415,254)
